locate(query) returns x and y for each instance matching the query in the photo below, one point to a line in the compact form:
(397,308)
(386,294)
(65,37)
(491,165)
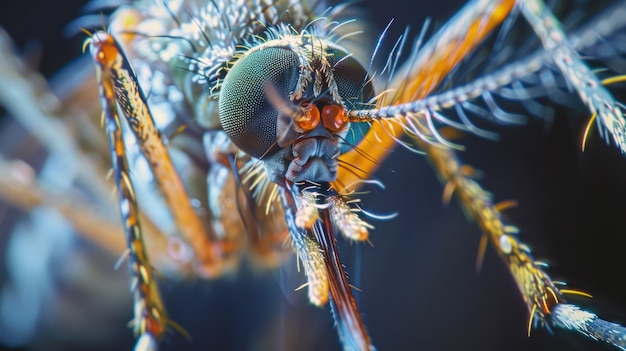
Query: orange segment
(415,81)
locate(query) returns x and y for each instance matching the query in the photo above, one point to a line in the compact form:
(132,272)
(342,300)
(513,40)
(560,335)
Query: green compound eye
(250,120)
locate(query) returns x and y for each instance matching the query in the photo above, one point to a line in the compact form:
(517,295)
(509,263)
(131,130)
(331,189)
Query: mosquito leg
(545,302)
(308,251)
(125,90)
(150,321)
(591,91)
(317,250)
(29,99)
(426,69)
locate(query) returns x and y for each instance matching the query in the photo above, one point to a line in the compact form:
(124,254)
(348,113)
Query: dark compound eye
(353,86)
(251,120)
(246,115)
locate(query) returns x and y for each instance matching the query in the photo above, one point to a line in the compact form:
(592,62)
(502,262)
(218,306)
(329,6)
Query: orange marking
(448,190)
(103,48)
(482,248)
(503,205)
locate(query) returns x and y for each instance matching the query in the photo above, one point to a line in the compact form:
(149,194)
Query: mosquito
(251,129)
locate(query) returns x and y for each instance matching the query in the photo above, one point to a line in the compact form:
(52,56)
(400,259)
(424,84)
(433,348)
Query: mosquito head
(284,102)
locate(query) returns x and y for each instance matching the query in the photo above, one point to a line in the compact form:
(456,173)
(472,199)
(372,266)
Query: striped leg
(414,113)
(126,93)
(150,319)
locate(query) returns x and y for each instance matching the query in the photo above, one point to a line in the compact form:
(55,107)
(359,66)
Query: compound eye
(352,81)
(247,116)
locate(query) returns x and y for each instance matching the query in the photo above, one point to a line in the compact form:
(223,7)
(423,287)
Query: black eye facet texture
(248,118)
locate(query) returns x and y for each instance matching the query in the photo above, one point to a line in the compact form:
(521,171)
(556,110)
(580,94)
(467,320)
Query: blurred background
(420,287)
